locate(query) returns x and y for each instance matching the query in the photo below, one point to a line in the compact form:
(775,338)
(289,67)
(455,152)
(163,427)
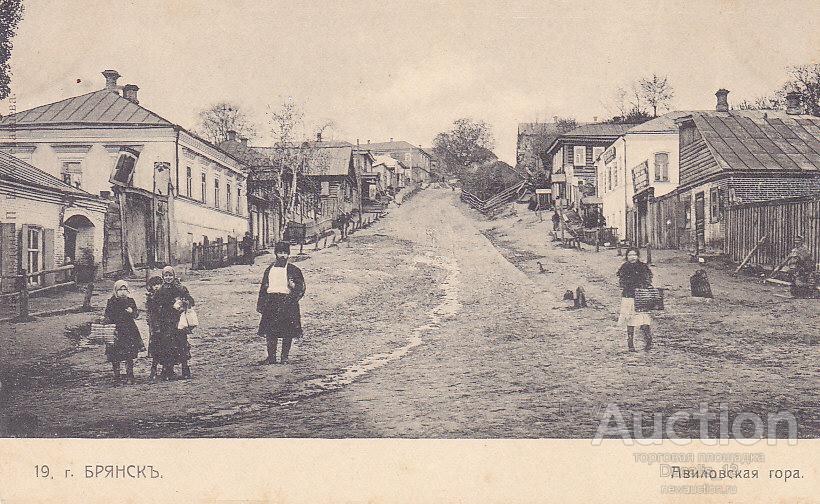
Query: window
(239,200)
(72,172)
(124,170)
(596,152)
(687,213)
(325,188)
(716,204)
(579,155)
(189,182)
(34,249)
(228,195)
(661,166)
(203,188)
(216,193)
(615,176)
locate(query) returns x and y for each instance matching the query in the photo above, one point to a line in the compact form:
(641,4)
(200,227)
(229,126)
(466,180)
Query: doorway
(700,220)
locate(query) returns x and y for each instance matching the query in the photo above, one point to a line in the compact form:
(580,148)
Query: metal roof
(100,107)
(321,158)
(15,170)
(600,129)
(760,140)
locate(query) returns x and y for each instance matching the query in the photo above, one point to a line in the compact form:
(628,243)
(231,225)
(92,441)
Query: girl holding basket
(634,274)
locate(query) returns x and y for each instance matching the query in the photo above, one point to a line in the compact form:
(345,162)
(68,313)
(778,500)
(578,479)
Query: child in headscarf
(634,274)
(172,300)
(122,310)
(152,312)
(283,285)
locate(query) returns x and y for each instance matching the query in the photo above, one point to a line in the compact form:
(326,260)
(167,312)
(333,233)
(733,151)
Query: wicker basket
(104,332)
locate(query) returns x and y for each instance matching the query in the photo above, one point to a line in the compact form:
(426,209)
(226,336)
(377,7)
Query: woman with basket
(121,310)
(634,274)
(172,301)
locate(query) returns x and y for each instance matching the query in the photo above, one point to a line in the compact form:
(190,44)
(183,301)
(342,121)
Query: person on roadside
(172,301)
(802,268)
(283,285)
(247,248)
(634,274)
(121,310)
(152,288)
(556,221)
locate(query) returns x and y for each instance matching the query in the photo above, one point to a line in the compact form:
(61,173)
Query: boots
(186,371)
(116,367)
(153,376)
(630,339)
(647,336)
(285,349)
(129,372)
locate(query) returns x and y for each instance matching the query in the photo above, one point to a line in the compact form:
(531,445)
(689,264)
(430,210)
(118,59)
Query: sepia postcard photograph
(443,232)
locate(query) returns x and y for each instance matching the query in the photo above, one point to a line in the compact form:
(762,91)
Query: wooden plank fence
(494,203)
(216,254)
(780,221)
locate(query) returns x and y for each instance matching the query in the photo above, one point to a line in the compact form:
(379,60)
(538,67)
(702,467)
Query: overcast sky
(407,69)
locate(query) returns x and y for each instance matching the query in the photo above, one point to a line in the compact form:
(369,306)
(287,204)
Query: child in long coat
(283,285)
(634,274)
(122,310)
(152,314)
(172,348)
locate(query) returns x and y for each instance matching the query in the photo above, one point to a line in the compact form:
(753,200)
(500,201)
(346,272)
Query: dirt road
(437,323)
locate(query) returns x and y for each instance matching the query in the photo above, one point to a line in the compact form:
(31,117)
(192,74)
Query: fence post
(316,237)
(22,280)
(598,239)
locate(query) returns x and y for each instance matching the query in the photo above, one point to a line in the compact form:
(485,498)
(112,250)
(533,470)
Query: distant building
(416,162)
(573,155)
(390,171)
(166,187)
(533,140)
(44,223)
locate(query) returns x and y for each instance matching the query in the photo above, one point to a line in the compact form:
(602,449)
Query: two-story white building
(641,163)
(167,188)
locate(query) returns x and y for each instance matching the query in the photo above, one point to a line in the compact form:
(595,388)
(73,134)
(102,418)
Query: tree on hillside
(656,92)
(217,120)
(469,142)
(629,105)
(11,12)
(286,121)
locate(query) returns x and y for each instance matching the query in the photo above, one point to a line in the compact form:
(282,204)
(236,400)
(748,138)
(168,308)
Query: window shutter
(22,245)
(48,255)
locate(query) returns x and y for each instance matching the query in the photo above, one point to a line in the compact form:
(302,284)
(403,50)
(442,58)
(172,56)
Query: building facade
(166,187)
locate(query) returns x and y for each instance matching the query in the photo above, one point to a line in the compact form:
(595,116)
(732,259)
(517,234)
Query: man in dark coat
(247,248)
(283,285)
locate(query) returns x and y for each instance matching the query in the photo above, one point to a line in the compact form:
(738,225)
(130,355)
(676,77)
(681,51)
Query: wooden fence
(216,254)
(15,305)
(486,207)
(779,221)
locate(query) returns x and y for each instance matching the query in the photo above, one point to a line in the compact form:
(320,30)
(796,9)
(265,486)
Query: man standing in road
(283,285)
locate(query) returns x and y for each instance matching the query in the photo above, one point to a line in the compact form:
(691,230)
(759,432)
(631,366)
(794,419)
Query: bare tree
(286,121)
(11,12)
(217,120)
(656,92)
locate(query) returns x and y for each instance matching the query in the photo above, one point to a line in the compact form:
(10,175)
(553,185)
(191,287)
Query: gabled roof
(388,146)
(599,130)
(661,124)
(753,140)
(388,161)
(100,107)
(15,170)
(321,158)
(248,155)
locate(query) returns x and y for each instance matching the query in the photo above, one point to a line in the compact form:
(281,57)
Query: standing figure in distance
(802,268)
(283,285)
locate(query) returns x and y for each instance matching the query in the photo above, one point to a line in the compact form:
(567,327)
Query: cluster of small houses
(100,179)
(740,183)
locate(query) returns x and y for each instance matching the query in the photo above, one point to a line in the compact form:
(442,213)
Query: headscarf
(119,284)
(169,269)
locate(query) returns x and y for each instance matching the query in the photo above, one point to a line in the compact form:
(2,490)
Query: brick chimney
(111,77)
(555,119)
(391,139)
(318,136)
(243,141)
(793,103)
(129,92)
(722,100)
(232,135)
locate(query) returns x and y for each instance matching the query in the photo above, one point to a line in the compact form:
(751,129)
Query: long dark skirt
(281,317)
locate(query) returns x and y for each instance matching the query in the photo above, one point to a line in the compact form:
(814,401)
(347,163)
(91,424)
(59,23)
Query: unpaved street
(436,323)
